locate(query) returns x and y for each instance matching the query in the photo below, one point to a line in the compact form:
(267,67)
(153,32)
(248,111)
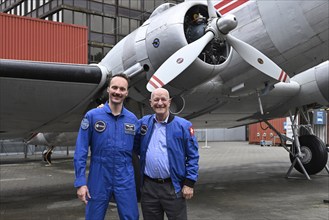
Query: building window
(136,4)
(123,26)
(96,6)
(109,39)
(67,16)
(68,2)
(80,3)
(28,4)
(123,3)
(158,3)
(54,18)
(109,27)
(112,2)
(40,11)
(96,37)
(96,54)
(80,18)
(96,23)
(23,8)
(60,16)
(149,5)
(134,24)
(18,12)
(106,50)
(34,4)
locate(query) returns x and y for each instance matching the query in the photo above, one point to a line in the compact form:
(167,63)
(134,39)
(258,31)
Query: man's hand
(83,194)
(187,192)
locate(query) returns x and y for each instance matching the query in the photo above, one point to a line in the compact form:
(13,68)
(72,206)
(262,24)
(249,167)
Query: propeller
(257,59)
(211,10)
(217,27)
(178,62)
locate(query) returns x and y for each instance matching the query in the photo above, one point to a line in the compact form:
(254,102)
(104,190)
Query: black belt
(158,180)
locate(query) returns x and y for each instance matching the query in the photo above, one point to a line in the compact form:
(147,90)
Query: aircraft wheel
(314,154)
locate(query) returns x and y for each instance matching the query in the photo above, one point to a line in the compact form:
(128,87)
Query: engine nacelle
(166,31)
(54,139)
(314,85)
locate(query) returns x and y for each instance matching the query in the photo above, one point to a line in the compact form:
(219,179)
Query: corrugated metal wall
(260,132)
(39,40)
(221,134)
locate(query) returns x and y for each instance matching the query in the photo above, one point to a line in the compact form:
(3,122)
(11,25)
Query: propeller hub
(212,26)
(227,23)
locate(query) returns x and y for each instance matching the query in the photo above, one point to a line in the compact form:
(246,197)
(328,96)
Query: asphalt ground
(237,181)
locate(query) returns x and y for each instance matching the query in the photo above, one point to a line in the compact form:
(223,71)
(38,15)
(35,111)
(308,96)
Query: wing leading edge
(51,97)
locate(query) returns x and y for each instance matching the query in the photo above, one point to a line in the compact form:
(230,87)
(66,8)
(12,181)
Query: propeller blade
(178,62)
(211,10)
(257,59)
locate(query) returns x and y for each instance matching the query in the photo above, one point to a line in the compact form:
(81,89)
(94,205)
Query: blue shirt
(157,163)
(182,148)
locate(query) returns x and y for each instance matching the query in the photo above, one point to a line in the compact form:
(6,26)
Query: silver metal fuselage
(294,34)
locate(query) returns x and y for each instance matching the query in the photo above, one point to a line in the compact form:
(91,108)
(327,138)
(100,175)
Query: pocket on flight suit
(96,180)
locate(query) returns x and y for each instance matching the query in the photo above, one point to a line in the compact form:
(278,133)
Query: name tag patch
(129,128)
(100,126)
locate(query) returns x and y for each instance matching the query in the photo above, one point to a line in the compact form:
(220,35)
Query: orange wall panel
(260,131)
(27,38)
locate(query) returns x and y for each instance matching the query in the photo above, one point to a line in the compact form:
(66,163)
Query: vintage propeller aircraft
(220,63)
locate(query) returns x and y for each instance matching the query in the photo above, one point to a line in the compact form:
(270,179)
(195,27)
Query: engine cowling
(151,44)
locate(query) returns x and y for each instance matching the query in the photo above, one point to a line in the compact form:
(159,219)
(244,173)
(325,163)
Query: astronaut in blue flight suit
(110,132)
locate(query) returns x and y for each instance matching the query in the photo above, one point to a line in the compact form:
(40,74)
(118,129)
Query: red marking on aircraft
(225,6)
(153,84)
(156,79)
(283,76)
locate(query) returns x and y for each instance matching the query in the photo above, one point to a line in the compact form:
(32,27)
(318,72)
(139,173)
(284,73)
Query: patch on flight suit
(100,126)
(84,123)
(129,128)
(144,129)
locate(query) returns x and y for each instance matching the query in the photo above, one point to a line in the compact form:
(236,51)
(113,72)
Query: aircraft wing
(51,97)
(215,69)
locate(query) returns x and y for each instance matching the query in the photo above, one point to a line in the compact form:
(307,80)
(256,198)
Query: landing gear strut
(308,153)
(47,155)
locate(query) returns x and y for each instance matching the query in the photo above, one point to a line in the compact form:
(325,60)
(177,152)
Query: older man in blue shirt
(169,161)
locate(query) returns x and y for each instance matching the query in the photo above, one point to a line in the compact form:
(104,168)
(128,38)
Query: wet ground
(237,181)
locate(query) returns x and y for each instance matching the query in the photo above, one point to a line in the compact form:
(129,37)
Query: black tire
(315,155)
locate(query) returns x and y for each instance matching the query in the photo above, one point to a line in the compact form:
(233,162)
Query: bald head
(160,103)
(160,91)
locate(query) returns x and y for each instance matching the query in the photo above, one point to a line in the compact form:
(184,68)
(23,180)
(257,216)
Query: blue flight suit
(182,146)
(111,172)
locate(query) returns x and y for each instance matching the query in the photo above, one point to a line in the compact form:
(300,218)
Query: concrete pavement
(237,181)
